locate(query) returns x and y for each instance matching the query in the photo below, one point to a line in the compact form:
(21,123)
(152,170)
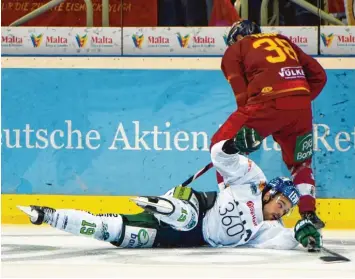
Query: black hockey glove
(247,140)
(307,234)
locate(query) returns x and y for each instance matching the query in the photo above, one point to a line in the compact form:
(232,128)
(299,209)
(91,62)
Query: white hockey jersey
(236,217)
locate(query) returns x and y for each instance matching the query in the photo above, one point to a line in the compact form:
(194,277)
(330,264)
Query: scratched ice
(39,252)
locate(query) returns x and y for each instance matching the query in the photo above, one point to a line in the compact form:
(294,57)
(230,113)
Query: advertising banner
(303,36)
(337,40)
(174,41)
(201,41)
(162,41)
(60,41)
(129,132)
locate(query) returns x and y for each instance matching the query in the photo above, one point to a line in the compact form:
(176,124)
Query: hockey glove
(247,140)
(307,234)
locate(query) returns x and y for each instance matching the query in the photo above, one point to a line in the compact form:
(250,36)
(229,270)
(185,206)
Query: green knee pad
(138,231)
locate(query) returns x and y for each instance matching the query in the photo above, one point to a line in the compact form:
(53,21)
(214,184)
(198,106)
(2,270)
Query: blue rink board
(191,101)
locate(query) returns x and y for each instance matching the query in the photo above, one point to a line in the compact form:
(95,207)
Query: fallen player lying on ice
(247,213)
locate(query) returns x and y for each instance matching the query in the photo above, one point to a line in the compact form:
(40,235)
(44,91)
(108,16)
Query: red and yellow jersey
(266,66)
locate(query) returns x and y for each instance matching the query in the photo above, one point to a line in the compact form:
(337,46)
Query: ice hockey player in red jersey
(274,83)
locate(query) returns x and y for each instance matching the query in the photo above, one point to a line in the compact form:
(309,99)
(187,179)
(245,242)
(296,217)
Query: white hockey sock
(106,228)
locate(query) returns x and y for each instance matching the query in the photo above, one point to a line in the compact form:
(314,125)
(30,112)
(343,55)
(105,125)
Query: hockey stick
(335,257)
(197,174)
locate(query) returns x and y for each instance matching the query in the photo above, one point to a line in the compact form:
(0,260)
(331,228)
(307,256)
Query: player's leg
(105,227)
(296,142)
(142,230)
(179,214)
(181,207)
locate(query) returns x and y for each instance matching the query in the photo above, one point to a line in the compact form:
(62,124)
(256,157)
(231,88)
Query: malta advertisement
(336,40)
(136,41)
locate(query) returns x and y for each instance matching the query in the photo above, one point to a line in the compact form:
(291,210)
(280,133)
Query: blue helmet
(286,187)
(244,28)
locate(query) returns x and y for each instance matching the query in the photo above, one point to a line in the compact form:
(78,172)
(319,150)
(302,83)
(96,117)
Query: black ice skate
(38,214)
(155,204)
(312,216)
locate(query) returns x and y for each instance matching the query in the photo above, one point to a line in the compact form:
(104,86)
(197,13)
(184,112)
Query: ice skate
(37,214)
(155,204)
(312,216)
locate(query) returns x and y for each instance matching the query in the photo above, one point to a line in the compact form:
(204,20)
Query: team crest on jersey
(255,188)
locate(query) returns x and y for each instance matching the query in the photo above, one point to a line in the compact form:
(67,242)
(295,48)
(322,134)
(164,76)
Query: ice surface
(39,252)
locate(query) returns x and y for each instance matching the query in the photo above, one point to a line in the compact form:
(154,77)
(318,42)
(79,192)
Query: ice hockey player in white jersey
(247,212)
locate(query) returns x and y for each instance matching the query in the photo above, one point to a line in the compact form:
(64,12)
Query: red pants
(287,126)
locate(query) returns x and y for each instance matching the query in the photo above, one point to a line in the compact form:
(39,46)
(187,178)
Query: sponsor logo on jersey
(250,204)
(143,237)
(267,89)
(304,147)
(138,240)
(292,72)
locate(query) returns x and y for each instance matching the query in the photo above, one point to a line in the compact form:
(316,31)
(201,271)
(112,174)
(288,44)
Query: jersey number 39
(283,50)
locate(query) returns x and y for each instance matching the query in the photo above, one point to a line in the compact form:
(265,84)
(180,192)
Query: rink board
(191,94)
(337,213)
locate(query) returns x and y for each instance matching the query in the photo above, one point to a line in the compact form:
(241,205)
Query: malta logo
(225,37)
(183,40)
(81,40)
(138,40)
(36,40)
(327,40)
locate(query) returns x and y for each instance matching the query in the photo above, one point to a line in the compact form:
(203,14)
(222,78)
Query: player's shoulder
(254,37)
(252,172)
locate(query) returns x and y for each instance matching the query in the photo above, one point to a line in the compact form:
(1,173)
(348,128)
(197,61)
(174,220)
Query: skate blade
(28,211)
(154,205)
